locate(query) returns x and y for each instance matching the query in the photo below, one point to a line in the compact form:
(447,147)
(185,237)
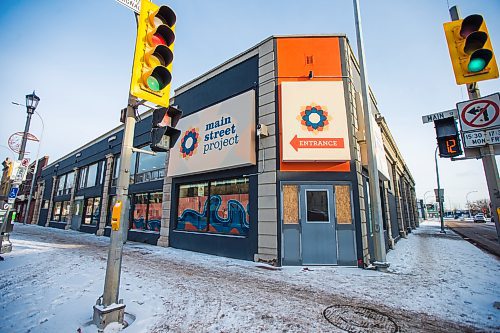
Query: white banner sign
(314,122)
(219,137)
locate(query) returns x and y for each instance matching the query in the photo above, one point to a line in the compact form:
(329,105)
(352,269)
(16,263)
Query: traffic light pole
(109,308)
(487,153)
(440,199)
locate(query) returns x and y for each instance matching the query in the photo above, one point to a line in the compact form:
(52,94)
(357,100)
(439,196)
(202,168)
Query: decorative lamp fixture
(32,102)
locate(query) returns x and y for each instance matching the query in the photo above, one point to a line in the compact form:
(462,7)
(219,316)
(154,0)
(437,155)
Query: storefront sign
(219,137)
(314,122)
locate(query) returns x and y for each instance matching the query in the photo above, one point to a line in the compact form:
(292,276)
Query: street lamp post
(467,199)
(33,179)
(425,203)
(31,104)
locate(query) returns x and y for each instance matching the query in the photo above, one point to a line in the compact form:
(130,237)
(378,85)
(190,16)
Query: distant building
(21,203)
(270,166)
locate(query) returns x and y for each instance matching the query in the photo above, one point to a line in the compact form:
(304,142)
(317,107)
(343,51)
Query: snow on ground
(52,278)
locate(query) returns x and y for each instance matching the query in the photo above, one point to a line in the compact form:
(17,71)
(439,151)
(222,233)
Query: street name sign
(135,5)
(480,114)
(440,115)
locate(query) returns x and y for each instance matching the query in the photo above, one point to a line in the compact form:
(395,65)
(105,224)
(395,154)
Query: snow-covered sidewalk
(52,278)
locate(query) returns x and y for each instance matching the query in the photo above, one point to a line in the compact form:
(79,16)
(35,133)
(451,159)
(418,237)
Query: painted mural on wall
(224,215)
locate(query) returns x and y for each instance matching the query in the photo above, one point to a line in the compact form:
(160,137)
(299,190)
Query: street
(52,278)
(483,235)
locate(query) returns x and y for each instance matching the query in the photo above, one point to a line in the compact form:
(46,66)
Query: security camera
(262,130)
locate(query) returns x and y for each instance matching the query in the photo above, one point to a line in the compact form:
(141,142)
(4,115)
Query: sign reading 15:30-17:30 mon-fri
(219,137)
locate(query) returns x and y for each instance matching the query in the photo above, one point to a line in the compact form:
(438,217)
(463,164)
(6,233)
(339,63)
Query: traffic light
(164,135)
(448,137)
(470,49)
(152,69)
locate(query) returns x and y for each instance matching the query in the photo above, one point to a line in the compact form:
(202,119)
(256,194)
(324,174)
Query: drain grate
(358,319)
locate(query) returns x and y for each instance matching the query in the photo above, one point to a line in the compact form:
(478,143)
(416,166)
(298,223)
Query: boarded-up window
(290,204)
(343,204)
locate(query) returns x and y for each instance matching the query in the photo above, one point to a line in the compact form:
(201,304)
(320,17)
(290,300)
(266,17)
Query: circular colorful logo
(189,143)
(314,118)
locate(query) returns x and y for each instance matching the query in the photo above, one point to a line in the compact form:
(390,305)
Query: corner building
(270,165)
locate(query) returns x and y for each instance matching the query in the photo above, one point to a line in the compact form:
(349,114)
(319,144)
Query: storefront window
(227,213)
(60,212)
(65,211)
(192,213)
(92,211)
(147,211)
(56,213)
(154,211)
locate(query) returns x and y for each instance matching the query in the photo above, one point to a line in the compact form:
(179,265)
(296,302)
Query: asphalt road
(483,235)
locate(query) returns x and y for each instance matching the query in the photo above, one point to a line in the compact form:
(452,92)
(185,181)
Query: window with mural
(147,211)
(111,203)
(220,206)
(92,211)
(56,212)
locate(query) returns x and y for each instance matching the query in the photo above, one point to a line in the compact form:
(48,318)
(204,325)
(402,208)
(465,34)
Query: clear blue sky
(77,55)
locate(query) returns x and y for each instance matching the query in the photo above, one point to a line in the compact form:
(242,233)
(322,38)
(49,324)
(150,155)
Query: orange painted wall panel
(296,57)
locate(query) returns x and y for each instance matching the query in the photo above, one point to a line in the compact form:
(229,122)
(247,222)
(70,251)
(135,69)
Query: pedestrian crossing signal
(470,50)
(448,137)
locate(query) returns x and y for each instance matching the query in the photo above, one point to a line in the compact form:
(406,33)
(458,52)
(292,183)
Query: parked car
(479,218)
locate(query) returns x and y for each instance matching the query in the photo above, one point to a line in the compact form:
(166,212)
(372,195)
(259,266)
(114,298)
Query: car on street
(479,218)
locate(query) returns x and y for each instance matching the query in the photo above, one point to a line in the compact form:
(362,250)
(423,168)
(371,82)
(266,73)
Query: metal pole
(375,206)
(440,201)
(25,218)
(25,134)
(112,280)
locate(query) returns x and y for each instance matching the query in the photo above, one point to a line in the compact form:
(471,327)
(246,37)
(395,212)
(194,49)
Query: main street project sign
(480,121)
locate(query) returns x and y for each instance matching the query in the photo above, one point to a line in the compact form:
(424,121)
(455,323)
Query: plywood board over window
(290,204)
(343,204)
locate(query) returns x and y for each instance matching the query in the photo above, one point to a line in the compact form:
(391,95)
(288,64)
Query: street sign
(13,192)
(135,5)
(5,206)
(480,114)
(441,194)
(440,115)
(481,138)
(25,162)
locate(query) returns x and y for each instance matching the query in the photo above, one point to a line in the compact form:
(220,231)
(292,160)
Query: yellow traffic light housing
(116,216)
(470,50)
(152,69)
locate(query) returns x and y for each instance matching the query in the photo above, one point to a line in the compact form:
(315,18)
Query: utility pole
(487,153)
(375,202)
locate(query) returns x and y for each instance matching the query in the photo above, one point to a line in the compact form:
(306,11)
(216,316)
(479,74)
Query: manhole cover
(356,319)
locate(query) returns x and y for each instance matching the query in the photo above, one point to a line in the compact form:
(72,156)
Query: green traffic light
(476,65)
(153,83)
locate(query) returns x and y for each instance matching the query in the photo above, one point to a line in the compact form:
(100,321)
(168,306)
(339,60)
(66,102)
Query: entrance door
(318,236)
(76,220)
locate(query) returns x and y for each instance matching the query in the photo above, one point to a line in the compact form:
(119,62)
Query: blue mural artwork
(236,222)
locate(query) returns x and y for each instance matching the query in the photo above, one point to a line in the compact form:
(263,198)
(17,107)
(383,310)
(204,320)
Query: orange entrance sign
(316,143)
